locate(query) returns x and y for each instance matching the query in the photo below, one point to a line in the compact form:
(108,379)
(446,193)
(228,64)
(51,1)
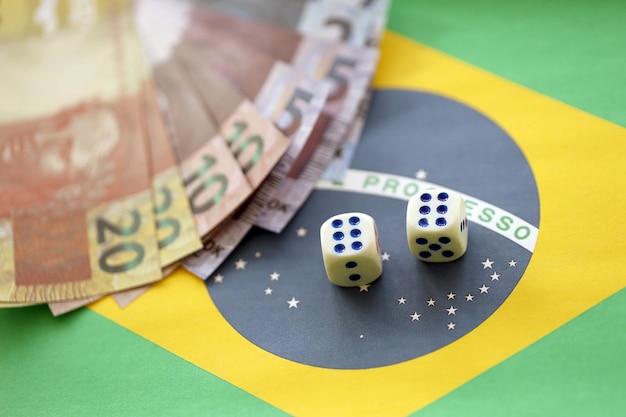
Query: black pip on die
(351,249)
(436,225)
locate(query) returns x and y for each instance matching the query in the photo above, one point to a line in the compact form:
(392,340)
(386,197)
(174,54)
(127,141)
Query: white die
(351,249)
(436,225)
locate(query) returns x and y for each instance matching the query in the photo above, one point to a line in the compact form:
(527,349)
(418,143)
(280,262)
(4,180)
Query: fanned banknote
(342,160)
(284,92)
(83,208)
(291,99)
(356,22)
(288,97)
(347,21)
(315,98)
(175,226)
(379,9)
(255,142)
(214,183)
(176,229)
(349,69)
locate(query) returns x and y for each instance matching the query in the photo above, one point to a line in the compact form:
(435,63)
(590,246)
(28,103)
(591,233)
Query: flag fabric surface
(518,106)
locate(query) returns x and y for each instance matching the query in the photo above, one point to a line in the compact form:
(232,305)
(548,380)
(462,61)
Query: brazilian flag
(518,105)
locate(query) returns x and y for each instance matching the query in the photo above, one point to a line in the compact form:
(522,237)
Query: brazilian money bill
(204,35)
(347,68)
(178,127)
(76,209)
(356,22)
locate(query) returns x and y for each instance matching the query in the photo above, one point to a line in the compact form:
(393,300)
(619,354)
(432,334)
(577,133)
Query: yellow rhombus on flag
(553,347)
(578,215)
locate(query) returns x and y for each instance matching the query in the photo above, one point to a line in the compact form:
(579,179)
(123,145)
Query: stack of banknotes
(137,137)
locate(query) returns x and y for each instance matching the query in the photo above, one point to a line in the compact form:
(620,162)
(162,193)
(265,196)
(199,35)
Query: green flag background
(573,52)
(83,364)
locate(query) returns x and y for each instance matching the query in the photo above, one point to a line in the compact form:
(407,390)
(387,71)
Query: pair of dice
(436,226)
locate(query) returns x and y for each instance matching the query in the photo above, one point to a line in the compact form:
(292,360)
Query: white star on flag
(268,291)
(421,174)
(218,278)
(257,255)
(301,232)
(293,302)
(451,296)
(401,300)
(512,263)
(469,297)
(495,276)
(364,287)
(385,256)
(415,316)
(487,264)
(431,302)
(240,264)
(451,326)
(274,276)
(484,289)
(452,310)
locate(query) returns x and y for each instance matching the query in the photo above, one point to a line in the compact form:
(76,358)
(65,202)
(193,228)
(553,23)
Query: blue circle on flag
(273,288)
